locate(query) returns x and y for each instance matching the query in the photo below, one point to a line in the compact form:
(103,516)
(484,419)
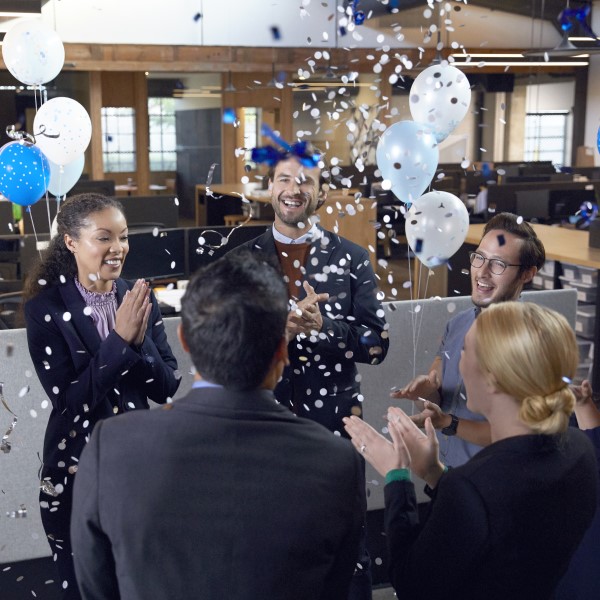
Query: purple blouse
(102,307)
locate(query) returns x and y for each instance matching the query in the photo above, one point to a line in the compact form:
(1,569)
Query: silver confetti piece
(21,513)
(47,487)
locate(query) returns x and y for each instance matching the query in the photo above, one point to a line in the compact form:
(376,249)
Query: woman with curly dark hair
(98,346)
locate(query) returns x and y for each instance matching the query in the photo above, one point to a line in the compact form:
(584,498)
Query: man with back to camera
(224,493)
(335,320)
(508,256)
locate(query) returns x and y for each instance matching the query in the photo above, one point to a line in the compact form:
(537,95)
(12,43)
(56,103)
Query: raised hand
(306,317)
(380,452)
(439,419)
(132,316)
(422,386)
(422,447)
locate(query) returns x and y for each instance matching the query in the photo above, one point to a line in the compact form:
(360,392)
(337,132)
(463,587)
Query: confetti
(229,118)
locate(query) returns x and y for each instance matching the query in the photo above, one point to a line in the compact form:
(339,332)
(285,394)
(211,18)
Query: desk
(562,244)
(230,195)
(127,188)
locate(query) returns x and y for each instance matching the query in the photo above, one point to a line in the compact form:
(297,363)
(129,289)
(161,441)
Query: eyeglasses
(497,266)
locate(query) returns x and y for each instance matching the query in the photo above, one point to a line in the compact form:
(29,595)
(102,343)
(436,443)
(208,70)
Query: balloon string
(34,232)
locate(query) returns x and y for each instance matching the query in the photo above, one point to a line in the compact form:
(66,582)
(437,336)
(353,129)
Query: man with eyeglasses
(508,256)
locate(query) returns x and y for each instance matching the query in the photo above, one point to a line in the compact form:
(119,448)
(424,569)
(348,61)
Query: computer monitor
(200,255)
(106,187)
(533,204)
(156,254)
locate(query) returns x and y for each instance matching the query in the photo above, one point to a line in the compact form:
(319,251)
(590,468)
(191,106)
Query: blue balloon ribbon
(271,155)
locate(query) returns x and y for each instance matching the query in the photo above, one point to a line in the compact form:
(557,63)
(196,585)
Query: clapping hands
(306,317)
(131,319)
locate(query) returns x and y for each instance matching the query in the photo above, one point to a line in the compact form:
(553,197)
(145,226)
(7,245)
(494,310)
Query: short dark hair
(233,316)
(533,253)
(57,261)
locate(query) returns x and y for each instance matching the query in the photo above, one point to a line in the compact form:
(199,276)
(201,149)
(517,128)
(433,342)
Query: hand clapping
(306,317)
(132,316)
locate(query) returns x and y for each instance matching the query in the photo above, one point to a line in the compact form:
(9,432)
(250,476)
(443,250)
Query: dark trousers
(56,517)
(361,584)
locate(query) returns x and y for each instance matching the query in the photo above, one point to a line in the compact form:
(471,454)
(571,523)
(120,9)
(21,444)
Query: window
(546,137)
(161,117)
(118,139)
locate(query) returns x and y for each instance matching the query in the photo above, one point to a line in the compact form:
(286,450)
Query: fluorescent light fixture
(464,55)
(522,63)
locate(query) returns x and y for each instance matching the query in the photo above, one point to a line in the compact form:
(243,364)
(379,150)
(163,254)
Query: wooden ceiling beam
(219,59)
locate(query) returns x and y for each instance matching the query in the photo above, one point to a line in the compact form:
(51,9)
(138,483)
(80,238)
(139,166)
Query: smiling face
(487,287)
(294,196)
(100,249)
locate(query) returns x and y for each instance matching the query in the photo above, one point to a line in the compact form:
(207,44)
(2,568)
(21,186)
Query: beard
(301,216)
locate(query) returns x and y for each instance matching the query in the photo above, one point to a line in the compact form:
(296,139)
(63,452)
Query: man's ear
(322,198)
(182,339)
(528,274)
(281,352)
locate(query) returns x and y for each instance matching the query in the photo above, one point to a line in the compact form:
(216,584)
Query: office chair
(10,310)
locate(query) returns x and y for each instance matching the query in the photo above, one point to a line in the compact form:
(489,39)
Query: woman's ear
(70,243)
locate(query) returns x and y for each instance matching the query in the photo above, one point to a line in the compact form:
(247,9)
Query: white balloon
(64,177)
(33,52)
(439,98)
(436,227)
(407,156)
(62,129)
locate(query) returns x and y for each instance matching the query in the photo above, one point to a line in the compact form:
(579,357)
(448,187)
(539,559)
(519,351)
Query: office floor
(386,593)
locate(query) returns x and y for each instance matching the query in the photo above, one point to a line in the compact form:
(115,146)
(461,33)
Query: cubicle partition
(415,331)
(140,211)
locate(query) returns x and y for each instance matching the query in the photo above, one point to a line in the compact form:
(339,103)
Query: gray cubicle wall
(415,331)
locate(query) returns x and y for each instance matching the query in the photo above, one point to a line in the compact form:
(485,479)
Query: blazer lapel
(81,325)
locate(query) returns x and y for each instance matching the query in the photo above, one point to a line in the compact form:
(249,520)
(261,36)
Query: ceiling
(538,9)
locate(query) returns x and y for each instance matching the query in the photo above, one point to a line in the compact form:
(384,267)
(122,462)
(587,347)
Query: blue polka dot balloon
(24,173)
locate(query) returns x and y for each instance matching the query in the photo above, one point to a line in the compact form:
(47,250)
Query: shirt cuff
(397,475)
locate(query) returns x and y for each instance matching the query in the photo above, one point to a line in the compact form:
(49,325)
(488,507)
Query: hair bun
(548,414)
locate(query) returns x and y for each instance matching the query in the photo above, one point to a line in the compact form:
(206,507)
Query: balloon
(436,227)
(33,52)
(24,173)
(62,129)
(407,156)
(64,177)
(439,98)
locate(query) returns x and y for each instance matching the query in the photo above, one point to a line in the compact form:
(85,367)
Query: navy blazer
(321,381)
(220,494)
(88,379)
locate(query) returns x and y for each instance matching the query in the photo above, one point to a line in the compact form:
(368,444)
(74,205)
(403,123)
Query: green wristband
(397,475)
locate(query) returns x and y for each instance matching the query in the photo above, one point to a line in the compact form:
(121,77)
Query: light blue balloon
(24,173)
(407,156)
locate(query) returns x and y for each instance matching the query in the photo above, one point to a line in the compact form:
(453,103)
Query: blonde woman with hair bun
(506,523)
(533,364)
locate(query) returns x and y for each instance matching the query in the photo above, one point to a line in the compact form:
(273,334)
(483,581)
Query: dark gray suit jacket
(321,382)
(218,495)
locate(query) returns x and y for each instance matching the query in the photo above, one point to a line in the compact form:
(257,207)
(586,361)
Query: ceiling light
(465,55)
(522,63)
